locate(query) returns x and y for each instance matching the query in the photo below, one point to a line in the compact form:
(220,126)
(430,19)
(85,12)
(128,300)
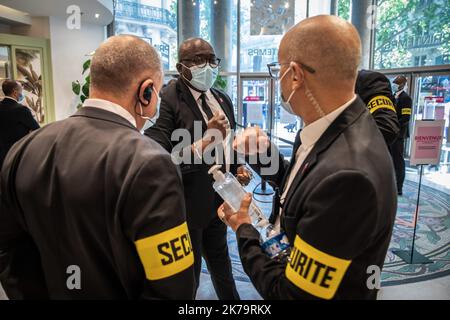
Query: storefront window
(155,21)
(263,23)
(412,33)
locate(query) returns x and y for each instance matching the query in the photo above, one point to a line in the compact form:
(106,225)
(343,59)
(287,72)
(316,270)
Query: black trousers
(397,150)
(211,243)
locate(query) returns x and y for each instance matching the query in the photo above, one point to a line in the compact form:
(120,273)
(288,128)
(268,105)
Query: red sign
(253,98)
(435,99)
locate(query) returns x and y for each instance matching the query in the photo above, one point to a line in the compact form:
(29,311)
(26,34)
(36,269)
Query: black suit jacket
(338,216)
(404,110)
(93,192)
(375,90)
(16,122)
(179,110)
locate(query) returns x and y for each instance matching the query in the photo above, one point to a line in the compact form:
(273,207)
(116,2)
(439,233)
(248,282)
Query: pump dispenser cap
(216,173)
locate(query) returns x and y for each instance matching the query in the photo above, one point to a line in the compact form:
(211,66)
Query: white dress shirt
(111,107)
(215,107)
(309,136)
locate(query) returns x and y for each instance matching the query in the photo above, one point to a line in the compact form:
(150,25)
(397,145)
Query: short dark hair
(400,80)
(9,86)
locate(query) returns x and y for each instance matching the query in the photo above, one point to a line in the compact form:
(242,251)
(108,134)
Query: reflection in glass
(5,66)
(29,74)
(412,33)
(154,21)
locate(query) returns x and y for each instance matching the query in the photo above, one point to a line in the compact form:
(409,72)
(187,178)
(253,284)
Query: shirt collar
(111,107)
(399,93)
(197,94)
(11,98)
(312,132)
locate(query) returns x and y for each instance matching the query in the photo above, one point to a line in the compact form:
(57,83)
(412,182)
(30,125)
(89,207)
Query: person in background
(403,104)
(16,120)
(338,201)
(90,208)
(189,100)
(374,89)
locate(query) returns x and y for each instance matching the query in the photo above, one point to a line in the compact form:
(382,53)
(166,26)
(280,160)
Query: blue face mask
(203,78)
(395,87)
(21,98)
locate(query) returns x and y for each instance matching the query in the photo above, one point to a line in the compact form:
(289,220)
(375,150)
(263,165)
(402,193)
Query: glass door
(256,102)
(431,101)
(261,106)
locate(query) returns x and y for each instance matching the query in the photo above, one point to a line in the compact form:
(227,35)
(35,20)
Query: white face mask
(202,78)
(286,104)
(150,121)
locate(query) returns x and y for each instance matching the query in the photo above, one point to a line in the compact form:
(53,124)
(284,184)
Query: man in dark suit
(338,199)
(16,120)
(375,91)
(90,208)
(193,105)
(403,104)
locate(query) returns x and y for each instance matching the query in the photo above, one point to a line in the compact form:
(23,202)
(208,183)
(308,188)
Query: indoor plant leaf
(76,87)
(86,65)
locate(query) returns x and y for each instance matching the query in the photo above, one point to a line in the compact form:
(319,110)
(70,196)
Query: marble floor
(437,289)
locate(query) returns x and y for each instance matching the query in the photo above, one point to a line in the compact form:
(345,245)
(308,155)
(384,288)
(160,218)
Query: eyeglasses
(275,67)
(201,61)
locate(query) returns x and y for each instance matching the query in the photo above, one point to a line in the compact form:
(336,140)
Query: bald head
(195,47)
(121,63)
(328,44)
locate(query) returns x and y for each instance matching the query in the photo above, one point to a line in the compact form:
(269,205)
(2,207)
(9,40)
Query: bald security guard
(374,89)
(91,208)
(338,198)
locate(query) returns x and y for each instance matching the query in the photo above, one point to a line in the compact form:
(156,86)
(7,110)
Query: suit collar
(111,107)
(228,111)
(10,99)
(96,113)
(188,97)
(342,122)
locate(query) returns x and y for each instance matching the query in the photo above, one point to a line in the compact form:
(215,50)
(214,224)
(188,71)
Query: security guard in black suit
(375,91)
(338,193)
(91,208)
(403,104)
(16,120)
(192,104)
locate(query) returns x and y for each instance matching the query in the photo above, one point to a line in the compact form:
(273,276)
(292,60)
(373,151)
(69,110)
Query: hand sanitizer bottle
(231,191)
(273,242)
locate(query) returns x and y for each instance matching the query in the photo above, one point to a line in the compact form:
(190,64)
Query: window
(155,21)
(263,24)
(412,33)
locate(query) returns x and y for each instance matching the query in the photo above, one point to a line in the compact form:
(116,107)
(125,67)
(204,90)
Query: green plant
(221,83)
(82,90)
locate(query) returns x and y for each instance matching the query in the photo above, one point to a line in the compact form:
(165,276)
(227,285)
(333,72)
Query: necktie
(205,107)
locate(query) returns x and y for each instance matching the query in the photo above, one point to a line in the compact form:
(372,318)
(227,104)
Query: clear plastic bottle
(273,242)
(232,192)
